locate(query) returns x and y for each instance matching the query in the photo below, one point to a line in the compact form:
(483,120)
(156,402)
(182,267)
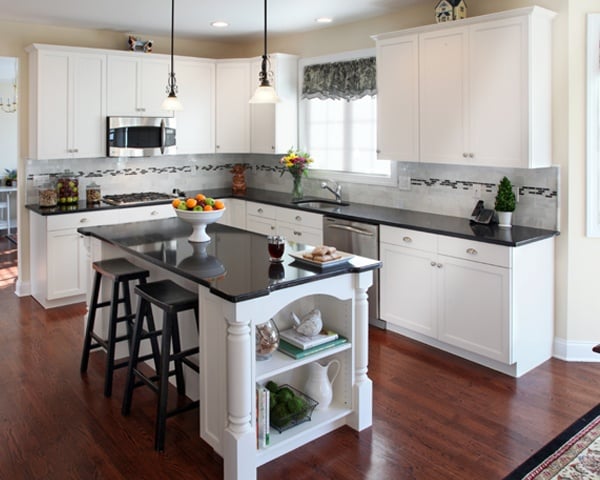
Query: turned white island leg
(239,439)
(362,417)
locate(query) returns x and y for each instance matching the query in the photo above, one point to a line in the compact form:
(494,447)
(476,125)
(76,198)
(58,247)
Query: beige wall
(577,303)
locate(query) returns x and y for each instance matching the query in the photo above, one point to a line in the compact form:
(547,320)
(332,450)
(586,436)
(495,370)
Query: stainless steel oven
(361,239)
(140,136)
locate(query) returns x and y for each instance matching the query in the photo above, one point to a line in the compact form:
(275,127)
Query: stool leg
(178,362)
(153,340)
(127,304)
(163,388)
(89,328)
(133,357)
(112,335)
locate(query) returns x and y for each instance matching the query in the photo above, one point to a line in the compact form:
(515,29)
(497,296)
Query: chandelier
(10,107)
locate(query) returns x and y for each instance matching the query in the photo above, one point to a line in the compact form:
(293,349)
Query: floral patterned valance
(349,80)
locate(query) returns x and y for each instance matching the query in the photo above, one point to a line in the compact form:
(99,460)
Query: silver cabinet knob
(471,251)
(433,264)
(439,265)
(298,218)
(407,239)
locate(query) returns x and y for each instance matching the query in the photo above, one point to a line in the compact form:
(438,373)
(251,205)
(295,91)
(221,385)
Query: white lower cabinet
(463,296)
(295,225)
(235,213)
(59,264)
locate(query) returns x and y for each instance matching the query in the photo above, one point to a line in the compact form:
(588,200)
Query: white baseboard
(22,289)
(575,351)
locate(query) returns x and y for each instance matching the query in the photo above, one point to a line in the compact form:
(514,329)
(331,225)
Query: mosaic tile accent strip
(485,187)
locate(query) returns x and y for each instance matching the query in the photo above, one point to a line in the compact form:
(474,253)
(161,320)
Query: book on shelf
(303,342)
(297,353)
(262,416)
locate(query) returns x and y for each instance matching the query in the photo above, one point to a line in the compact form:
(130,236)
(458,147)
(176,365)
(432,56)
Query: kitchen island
(238,289)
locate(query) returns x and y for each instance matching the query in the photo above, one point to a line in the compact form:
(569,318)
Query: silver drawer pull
(272,227)
(439,265)
(260,210)
(297,233)
(298,218)
(471,251)
(407,239)
(153,213)
(83,220)
(433,264)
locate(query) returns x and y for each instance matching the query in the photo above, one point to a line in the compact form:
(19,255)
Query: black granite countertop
(395,217)
(234,264)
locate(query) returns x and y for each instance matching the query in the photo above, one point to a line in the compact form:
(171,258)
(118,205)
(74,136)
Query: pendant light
(172,103)
(265,93)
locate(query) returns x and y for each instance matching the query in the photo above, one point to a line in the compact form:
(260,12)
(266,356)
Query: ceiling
(193,17)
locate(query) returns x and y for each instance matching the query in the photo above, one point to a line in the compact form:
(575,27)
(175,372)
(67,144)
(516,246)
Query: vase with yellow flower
(296,163)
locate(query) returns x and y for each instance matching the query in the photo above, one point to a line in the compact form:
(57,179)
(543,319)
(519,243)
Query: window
(593,126)
(338,118)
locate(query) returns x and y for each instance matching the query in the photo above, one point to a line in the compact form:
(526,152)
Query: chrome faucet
(337,192)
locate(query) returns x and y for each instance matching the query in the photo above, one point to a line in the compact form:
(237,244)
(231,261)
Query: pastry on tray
(322,253)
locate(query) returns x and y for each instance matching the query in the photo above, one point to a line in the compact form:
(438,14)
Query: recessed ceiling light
(324,20)
(219,24)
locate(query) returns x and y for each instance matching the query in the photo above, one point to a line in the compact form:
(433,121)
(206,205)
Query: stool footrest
(185,408)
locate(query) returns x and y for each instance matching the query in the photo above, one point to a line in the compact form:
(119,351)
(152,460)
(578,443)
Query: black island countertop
(395,217)
(234,264)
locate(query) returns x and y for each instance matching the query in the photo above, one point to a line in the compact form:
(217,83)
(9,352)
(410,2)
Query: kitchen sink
(321,204)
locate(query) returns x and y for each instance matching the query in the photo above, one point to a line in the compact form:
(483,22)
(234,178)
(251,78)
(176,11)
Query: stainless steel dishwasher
(360,239)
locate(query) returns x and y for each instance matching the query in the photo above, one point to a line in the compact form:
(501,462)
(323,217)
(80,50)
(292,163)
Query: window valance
(348,80)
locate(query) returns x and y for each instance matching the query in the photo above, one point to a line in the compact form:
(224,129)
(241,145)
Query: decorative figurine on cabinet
(460,9)
(137,44)
(444,11)
(239,180)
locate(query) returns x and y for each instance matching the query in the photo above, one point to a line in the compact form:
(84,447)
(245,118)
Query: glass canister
(47,196)
(93,193)
(67,188)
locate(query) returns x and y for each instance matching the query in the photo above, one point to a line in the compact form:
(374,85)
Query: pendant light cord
(172,32)
(265,50)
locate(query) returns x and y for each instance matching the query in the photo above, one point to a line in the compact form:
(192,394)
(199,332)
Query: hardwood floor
(435,416)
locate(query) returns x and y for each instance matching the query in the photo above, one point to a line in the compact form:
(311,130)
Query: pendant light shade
(265,93)
(172,103)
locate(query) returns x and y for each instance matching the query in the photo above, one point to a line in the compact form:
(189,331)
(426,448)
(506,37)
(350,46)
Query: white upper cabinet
(483,91)
(397,83)
(137,84)
(67,104)
(232,107)
(274,127)
(195,123)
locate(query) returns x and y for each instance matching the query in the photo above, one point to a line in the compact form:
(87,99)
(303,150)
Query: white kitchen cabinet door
(66,275)
(153,85)
(443,96)
(67,104)
(235,213)
(398,99)
(408,294)
(195,123)
(303,235)
(137,85)
(274,127)
(122,85)
(498,128)
(88,106)
(232,107)
(474,303)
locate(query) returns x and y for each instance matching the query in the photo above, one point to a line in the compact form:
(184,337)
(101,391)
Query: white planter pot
(504,219)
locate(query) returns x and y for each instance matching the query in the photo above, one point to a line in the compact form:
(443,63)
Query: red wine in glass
(276,248)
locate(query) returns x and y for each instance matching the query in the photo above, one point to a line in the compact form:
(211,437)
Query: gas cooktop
(140,198)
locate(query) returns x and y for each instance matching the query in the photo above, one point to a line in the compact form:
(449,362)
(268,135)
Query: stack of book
(297,345)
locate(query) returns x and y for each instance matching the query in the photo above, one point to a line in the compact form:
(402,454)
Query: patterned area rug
(573,455)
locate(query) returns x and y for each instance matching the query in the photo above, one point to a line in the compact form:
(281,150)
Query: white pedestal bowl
(199,220)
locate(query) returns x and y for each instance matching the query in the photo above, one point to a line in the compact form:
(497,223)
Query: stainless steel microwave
(140,136)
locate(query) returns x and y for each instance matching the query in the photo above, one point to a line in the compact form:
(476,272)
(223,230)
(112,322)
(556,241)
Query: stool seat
(119,271)
(167,296)
(171,299)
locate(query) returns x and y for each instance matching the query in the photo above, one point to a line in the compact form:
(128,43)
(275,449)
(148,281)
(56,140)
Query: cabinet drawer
(408,238)
(475,251)
(82,219)
(298,217)
(261,210)
(264,226)
(150,212)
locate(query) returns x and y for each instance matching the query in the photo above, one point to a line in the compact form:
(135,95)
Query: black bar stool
(171,299)
(120,272)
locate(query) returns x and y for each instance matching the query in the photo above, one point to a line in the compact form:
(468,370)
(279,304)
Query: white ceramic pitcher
(319,385)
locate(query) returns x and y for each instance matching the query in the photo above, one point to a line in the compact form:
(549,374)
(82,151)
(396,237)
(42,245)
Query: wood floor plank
(435,416)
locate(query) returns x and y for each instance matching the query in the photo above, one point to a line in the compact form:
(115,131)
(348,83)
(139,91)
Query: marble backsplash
(442,189)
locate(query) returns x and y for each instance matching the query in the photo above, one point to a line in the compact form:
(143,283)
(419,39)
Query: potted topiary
(10,178)
(505,202)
